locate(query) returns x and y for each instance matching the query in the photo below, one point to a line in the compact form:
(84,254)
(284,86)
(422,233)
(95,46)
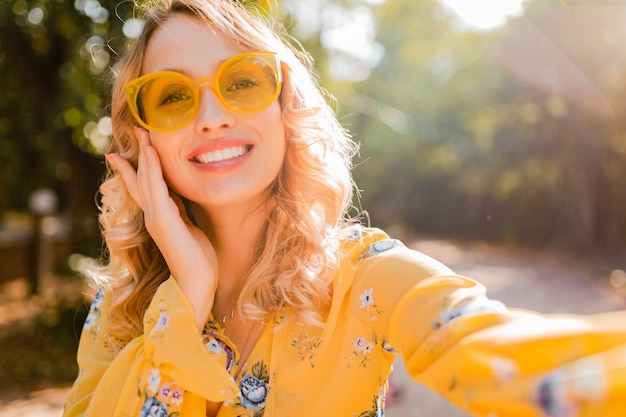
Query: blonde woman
(235,285)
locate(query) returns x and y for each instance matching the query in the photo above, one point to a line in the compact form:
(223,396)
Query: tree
(53,57)
(510,134)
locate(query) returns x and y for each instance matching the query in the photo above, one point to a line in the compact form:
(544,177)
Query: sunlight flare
(484,15)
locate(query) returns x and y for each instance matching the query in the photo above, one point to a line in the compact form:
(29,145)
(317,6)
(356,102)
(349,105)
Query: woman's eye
(173,98)
(241,83)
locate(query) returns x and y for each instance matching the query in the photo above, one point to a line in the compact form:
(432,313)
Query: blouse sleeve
(166,369)
(487,359)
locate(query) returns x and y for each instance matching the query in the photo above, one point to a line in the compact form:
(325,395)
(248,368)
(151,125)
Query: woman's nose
(212,113)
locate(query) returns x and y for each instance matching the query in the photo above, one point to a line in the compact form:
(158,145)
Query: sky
(483,15)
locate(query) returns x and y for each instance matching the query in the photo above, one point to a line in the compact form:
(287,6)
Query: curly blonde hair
(297,254)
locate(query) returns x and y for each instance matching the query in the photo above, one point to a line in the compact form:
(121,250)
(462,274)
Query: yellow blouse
(388,300)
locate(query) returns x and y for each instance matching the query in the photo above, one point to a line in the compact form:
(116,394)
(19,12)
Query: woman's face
(222,157)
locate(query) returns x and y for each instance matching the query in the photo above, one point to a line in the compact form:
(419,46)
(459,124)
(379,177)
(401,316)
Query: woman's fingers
(128,174)
(148,168)
(149,172)
(146,184)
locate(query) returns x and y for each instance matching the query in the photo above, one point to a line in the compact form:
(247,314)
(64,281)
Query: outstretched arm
(487,359)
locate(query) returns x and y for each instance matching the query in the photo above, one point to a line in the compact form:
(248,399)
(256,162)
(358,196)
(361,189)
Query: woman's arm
(167,368)
(487,359)
(510,362)
(189,254)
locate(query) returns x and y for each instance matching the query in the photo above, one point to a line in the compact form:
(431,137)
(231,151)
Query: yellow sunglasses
(167,100)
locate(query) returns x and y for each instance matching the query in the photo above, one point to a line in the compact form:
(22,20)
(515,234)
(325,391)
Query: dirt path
(540,283)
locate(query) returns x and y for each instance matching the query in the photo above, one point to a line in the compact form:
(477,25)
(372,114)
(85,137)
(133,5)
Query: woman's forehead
(187,42)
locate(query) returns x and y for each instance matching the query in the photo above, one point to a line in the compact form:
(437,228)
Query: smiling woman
(484,15)
(235,283)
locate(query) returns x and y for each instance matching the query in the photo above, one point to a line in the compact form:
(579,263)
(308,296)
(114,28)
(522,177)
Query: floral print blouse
(388,300)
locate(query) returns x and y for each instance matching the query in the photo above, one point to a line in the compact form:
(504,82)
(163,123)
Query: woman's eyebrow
(184,72)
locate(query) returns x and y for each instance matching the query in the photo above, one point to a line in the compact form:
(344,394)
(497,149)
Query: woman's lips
(221,154)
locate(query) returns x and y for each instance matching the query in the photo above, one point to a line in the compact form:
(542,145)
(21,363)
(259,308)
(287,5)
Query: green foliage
(513,134)
(53,57)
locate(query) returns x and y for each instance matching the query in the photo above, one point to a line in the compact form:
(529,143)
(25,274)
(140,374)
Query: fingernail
(110,159)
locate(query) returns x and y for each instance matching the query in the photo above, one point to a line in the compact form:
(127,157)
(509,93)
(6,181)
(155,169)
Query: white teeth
(222,154)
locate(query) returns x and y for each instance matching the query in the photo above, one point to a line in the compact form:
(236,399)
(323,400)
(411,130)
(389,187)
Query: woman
(234,284)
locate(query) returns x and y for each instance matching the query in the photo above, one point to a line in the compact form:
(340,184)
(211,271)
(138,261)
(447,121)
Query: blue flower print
(254,388)
(379,247)
(253,392)
(91,322)
(549,398)
(153,408)
(94,310)
(384,343)
(97,301)
(215,344)
(355,234)
(475,302)
(561,393)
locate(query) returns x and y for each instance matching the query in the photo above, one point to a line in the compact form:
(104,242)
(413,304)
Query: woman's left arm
(490,360)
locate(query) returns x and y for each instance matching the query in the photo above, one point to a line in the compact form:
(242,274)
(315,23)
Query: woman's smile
(222,155)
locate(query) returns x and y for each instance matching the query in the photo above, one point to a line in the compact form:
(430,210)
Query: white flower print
(505,369)
(362,345)
(367,298)
(154,379)
(361,353)
(162,322)
(367,303)
(213,347)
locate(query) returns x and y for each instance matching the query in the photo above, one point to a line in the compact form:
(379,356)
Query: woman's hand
(188,252)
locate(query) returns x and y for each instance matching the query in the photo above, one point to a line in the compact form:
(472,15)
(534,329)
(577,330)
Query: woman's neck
(234,233)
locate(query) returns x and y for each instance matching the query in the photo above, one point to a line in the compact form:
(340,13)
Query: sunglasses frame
(133,88)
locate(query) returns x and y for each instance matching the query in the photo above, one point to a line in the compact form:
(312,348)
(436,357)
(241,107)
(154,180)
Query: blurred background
(500,121)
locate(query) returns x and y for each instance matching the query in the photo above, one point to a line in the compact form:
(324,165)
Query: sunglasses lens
(166,102)
(248,84)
